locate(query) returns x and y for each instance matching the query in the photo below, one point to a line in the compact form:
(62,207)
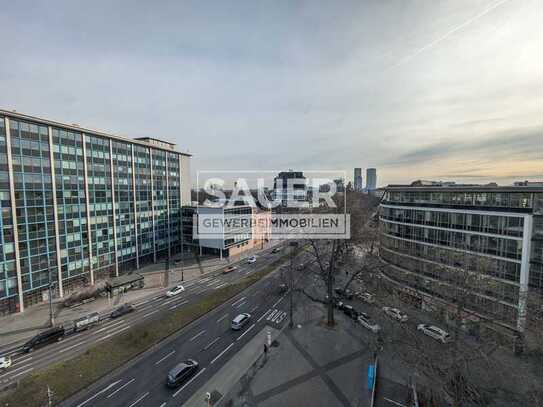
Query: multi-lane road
(257,300)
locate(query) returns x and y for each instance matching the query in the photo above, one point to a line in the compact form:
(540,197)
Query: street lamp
(293,246)
(51,314)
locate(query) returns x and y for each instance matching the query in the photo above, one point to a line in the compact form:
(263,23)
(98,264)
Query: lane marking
(23,372)
(113,333)
(120,388)
(222,285)
(197,335)
(169,301)
(138,400)
(272,314)
(212,343)
(22,359)
(222,353)
(243,334)
(150,313)
(100,392)
(165,357)
(163,404)
(241,305)
(178,305)
(254,308)
(263,315)
(221,318)
(241,299)
(189,382)
(278,301)
(109,326)
(12,371)
(71,347)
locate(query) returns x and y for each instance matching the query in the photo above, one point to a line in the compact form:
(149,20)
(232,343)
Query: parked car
(55,334)
(251,260)
(435,332)
(182,372)
(276,249)
(122,310)
(178,289)
(283,288)
(5,362)
(368,323)
(350,311)
(366,297)
(347,294)
(86,322)
(229,269)
(395,313)
(240,321)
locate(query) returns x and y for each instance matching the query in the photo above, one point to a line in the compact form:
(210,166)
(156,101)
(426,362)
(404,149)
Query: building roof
(124,280)
(74,127)
(464,188)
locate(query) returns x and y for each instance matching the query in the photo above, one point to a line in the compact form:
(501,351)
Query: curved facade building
(485,242)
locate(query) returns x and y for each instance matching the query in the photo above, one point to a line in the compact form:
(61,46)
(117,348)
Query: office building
(433,235)
(371,179)
(357,180)
(289,189)
(79,206)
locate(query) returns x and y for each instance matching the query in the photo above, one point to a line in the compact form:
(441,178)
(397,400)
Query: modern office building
(79,206)
(357,180)
(289,188)
(371,179)
(433,235)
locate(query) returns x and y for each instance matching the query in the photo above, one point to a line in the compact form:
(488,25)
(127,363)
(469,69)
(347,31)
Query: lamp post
(293,246)
(51,313)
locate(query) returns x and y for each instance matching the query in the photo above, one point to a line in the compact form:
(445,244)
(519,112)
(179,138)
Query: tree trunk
(330,287)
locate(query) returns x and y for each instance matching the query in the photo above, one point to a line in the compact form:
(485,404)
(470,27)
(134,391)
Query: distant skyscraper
(358,179)
(371,179)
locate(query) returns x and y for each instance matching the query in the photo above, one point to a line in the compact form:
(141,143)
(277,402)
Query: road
(148,309)
(209,340)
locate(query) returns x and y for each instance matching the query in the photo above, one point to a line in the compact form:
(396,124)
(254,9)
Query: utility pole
(49,396)
(51,313)
(293,246)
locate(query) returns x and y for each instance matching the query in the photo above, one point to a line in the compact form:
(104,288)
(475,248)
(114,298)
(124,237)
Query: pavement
(15,329)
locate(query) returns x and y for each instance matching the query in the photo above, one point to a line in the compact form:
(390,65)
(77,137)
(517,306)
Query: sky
(419,89)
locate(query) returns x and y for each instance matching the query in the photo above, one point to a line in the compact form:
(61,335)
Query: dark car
(276,250)
(283,288)
(182,372)
(347,294)
(55,334)
(122,310)
(350,311)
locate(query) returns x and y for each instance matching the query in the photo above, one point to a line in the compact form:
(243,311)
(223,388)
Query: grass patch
(68,377)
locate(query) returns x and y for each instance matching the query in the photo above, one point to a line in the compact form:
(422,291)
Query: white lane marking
(197,335)
(240,300)
(138,400)
(221,318)
(170,301)
(278,301)
(241,305)
(22,359)
(12,371)
(71,347)
(23,372)
(109,326)
(203,280)
(272,314)
(120,388)
(209,345)
(165,357)
(263,315)
(222,353)
(150,313)
(219,286)
(178,305)
(163,404)
(189,382)
(113,333)
(100,392)
(254,308)
(243,334)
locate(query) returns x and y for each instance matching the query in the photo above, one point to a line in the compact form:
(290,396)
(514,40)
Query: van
(55,334)
(240,321)
(86,322)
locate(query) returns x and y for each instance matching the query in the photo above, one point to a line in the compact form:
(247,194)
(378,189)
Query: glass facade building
(430,235)
(79,206)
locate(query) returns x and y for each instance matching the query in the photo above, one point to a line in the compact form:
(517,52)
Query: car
(122,310)
(229,269)
(5,362)
(86,322)
(335,300)
(182,372)
(347,294)
(366,297)
(55,334)
(251,259)
(178,289)
(435,332)
(276,250)
(350,311)
(283,288)
(367,322)
(395,313)
(240,321)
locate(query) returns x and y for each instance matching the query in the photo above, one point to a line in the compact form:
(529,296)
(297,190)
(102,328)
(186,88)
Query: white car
(178,289)
(366,297)
(251,259)
(5,362)
(240,321)
(434,332)
(395,313)
(366,322)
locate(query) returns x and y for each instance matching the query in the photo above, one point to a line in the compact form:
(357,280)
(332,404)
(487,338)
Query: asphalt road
(147,309)
(209,340)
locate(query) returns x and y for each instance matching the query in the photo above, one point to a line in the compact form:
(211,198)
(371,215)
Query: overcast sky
(419,89)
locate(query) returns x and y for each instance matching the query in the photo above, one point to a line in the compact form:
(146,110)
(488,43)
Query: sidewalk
(16,328)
